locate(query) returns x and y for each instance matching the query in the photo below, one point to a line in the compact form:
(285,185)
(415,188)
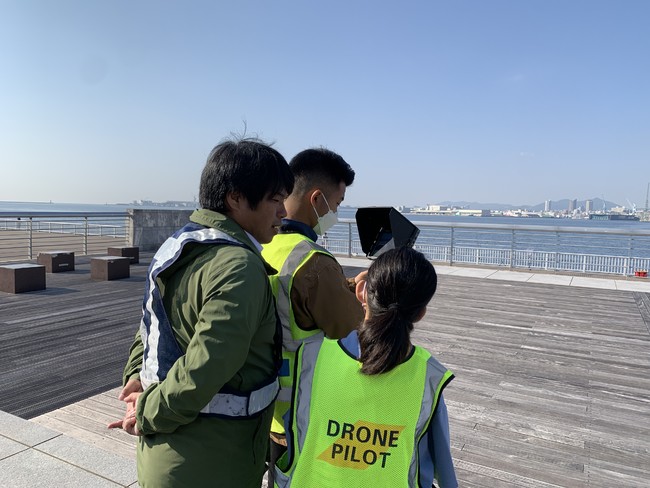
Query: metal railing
(24,235)
(533,247)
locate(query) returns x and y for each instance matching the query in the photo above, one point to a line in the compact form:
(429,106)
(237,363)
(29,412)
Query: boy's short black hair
(248,166)
(319,166)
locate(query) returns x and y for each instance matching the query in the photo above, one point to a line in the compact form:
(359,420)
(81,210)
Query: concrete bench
(56,261)
(19,278)
(128,252)
(109,268)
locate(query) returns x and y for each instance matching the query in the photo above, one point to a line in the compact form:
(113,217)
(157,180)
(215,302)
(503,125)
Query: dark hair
(248,166)
(400,284)
(320,166)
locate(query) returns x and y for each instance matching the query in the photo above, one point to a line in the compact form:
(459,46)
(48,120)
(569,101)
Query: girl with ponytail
(368,409)
(399,286)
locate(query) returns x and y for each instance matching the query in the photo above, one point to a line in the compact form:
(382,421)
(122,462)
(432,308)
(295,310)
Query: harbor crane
(632,205)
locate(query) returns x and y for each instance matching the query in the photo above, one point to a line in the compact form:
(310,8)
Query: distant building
(447,210)
(466,212)
(438,208)
(547,206)
(589,206)
(573,204)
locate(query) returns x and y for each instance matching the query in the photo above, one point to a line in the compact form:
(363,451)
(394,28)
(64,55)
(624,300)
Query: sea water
(601,244)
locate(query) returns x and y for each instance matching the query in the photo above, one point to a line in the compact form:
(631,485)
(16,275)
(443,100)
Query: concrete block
(109,268)
(56,261)
(128,252)
(19,278)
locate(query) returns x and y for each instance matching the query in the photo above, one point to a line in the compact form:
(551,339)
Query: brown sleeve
(321,298)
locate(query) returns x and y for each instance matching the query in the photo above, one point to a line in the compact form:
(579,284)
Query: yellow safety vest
(288,253)
(352,429)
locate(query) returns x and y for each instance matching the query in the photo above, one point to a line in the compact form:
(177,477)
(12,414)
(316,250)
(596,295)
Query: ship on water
(612,216)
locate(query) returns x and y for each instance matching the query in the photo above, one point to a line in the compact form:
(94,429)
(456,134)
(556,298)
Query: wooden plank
(552,382)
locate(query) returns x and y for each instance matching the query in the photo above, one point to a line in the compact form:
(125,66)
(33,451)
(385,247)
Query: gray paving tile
(10,447)
(34,469)
(550,279)
(633,286)
(511,276)
(360,262)
(441,269)
(472,272)
(106,464)
(23,431)
(601,283)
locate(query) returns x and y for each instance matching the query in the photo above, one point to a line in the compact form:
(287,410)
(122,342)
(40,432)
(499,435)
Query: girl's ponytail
(400,284)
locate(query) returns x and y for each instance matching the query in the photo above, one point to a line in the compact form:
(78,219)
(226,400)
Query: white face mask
(325,222)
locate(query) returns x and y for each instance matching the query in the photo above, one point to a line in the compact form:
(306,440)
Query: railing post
(630,247)
(86,235)
(451,246)
(349,239)
(31,238)
(512,249)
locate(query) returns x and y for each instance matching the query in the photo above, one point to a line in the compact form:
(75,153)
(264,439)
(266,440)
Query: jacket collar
(222,222)
(294,226)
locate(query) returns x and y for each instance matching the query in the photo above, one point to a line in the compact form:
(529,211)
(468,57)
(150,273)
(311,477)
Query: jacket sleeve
(134,363)
(233,296)
(438,462)
(321,298)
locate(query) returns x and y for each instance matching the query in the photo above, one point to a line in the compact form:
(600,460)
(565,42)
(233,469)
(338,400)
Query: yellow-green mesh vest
(351,429)
(288,253)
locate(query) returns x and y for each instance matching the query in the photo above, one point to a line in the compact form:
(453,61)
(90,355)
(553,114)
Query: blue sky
(485,100)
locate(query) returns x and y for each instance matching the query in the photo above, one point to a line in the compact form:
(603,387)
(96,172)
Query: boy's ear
(233,200)
(313,194)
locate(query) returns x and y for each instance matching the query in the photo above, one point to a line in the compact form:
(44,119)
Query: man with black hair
(209,344)
(313,295)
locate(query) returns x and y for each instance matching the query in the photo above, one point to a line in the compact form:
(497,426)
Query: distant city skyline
(509,101)
(559,204)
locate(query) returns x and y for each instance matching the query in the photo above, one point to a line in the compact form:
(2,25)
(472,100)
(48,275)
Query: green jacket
(219,302)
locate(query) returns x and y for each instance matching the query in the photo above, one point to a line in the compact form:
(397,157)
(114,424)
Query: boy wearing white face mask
(327,221)
(312,294)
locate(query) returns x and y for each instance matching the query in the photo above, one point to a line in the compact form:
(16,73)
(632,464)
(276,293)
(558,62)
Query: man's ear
(233,200)
(313,195)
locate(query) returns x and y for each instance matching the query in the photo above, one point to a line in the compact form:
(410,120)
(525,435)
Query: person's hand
(132,386)
(352,282)
(363,276)
(129,395)
(128,423)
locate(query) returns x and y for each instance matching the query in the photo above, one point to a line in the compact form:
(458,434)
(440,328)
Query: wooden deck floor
(552,382)
(67,342)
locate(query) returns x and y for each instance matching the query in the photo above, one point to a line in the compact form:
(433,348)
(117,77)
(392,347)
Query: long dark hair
(400,284)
